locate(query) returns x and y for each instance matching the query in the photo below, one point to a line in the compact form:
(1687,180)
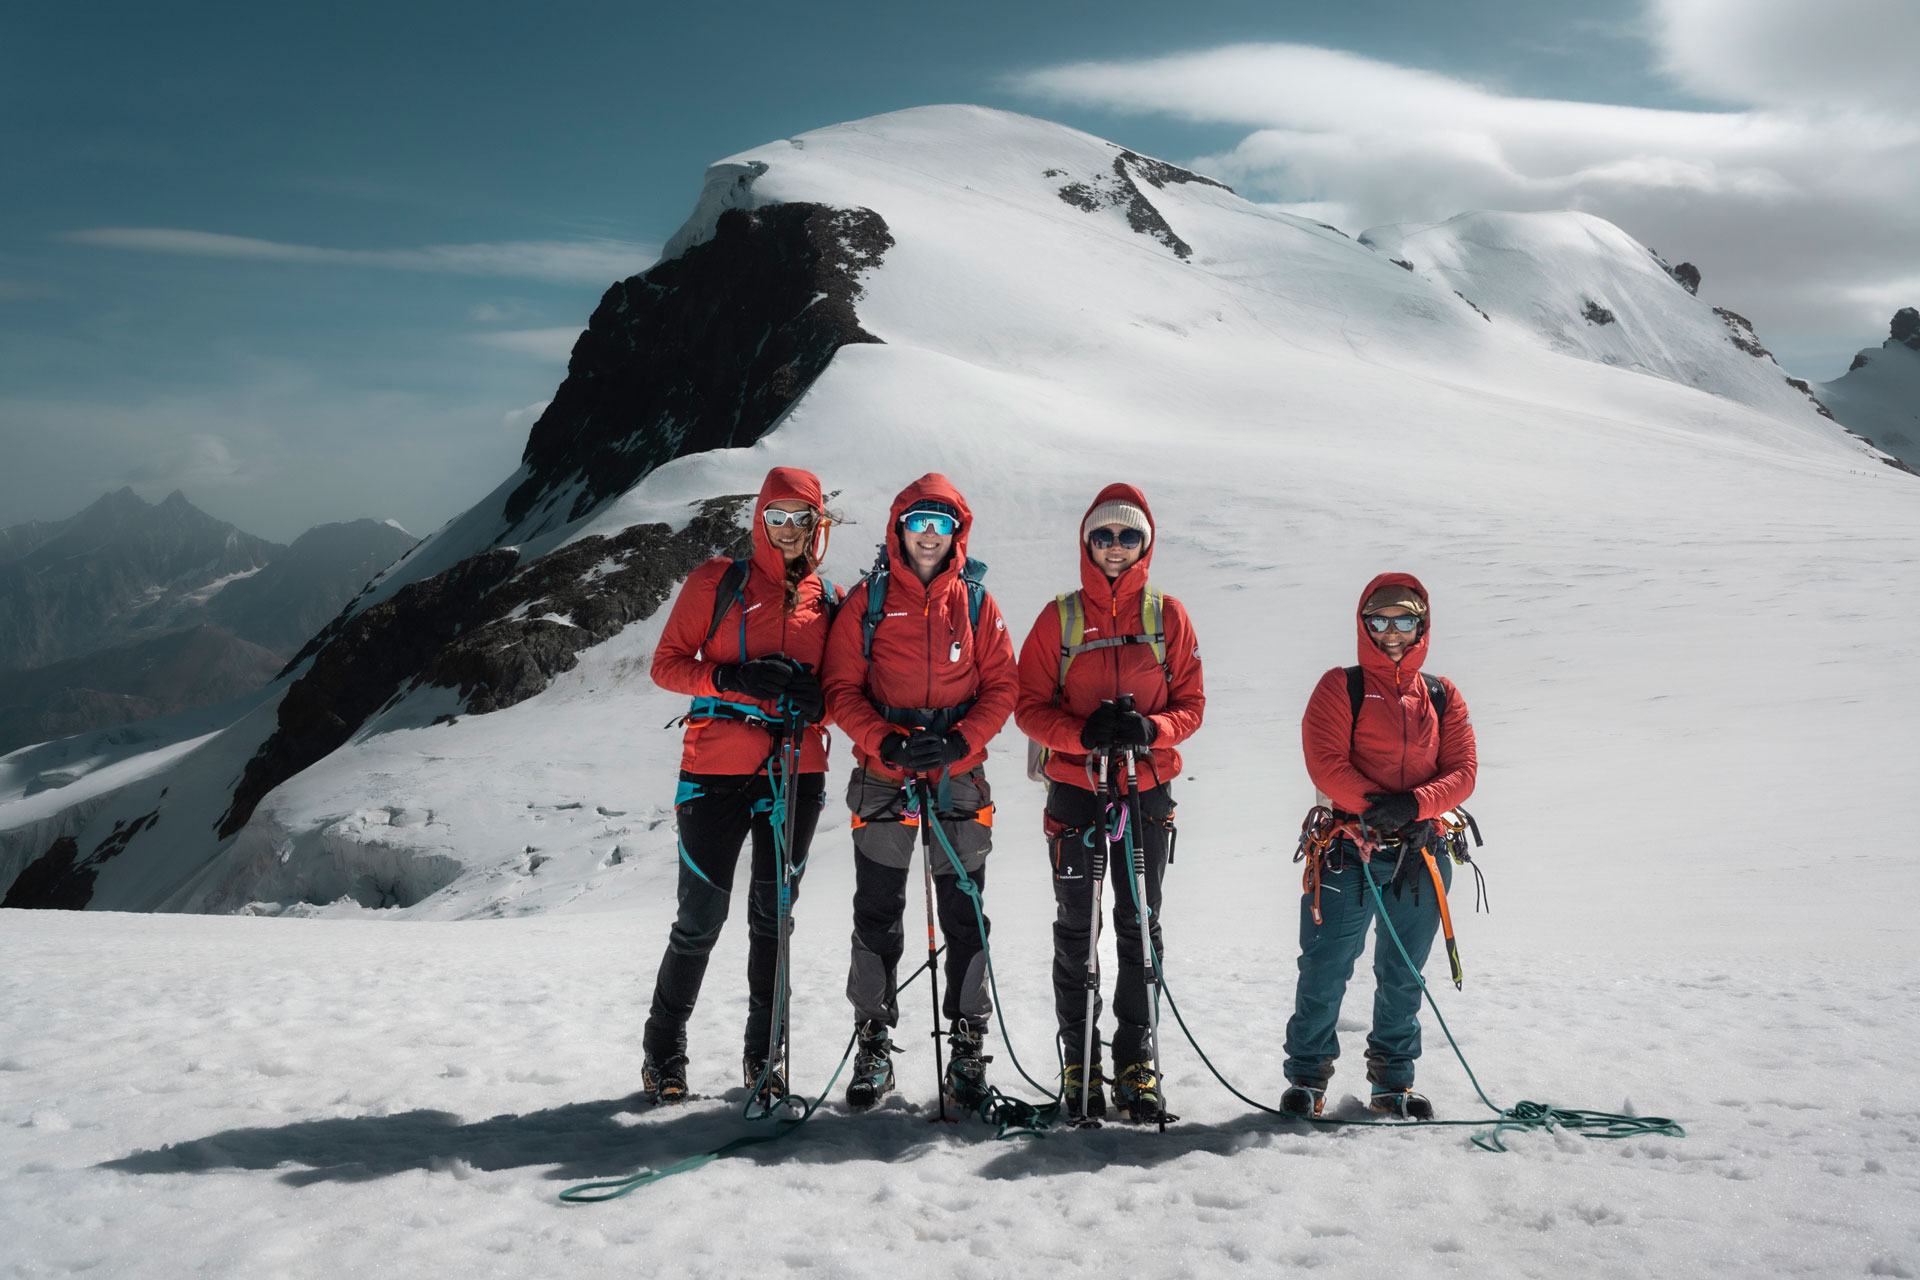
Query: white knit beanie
(1124,514)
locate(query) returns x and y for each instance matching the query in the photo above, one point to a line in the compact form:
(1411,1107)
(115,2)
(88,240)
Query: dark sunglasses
(775,517)
(1101,539)
(1405,625)
(929,521)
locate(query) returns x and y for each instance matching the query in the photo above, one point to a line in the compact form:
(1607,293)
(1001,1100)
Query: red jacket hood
(932,487)
(781,485)
(1133,580)
(1371,657)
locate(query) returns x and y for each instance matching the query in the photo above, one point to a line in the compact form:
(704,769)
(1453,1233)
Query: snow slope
(1585,288)
(1682,621)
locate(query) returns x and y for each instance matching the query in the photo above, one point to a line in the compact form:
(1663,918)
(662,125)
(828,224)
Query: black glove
(760,678)
(926,751)
(1131,729)
(1388,811)
(1097,733)
(893,751)
(804,694)
(954,749)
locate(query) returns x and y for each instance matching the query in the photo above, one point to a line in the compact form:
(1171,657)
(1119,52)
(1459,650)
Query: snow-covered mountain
(1024,307)
(1879,396)
(1678,601)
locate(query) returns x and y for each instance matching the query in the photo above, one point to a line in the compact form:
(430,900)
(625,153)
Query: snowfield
(1685,621)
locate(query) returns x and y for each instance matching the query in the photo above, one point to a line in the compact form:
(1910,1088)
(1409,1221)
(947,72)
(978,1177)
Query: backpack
(973,573)
(1073,643)
(733,585)
(1357,694)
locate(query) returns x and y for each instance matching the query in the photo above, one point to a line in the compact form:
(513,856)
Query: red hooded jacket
(1397,743)
(1111,607)
(759,617)
(924,652)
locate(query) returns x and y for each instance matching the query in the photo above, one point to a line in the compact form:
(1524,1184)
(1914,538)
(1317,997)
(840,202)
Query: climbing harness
(1324,830)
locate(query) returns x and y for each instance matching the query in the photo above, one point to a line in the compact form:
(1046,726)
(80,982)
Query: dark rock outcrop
(1119,190)
(61,880)
(372,655)
(1860,361)
(1741,334)
(1806,389)
(486,627)
(1906,327)
(598,585)
(1687,276)
(1597,314)
(702,351)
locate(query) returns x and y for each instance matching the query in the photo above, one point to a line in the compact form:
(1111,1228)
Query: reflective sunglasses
(929,521)
(1405,625)
(1101,539)
(775,517)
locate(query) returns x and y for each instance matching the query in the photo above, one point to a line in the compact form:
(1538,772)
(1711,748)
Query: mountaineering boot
(775,1088)
(664,1082)
(1136,1094)
(1072,1087)
(872,1067)
(1303,1100)
(1402,1104)
(966,1080)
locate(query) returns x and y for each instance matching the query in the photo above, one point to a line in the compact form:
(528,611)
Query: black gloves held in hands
(893,751)
(765,679)
(924,750)
(1391,810)
(760,678)
(1097,733)
(809,701)
(929,752)
(1134,730)
(1109,728)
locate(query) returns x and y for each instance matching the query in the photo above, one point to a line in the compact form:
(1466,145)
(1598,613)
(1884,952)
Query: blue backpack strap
(974,574)
(876,581)
(727,593)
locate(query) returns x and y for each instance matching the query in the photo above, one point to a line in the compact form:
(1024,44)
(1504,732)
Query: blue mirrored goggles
(1101,539)
(775,517)
(929,522)
(1405,625)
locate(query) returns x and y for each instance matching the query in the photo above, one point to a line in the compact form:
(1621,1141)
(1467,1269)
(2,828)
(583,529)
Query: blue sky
(317,262)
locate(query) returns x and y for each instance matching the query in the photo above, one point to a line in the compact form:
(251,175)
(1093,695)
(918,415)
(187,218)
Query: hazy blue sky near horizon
(312,263)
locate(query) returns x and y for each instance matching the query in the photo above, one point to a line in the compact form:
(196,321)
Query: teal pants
(1328,951)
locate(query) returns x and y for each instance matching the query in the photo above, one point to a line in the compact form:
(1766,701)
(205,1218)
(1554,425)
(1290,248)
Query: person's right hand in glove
(1097,733)
(759,678)
(893,751)
(926,751)
(809,701)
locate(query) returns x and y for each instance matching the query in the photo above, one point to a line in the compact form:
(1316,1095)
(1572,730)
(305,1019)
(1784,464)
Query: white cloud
(1857,54)
(554,345)
(200,461)
(1799,207)
(599,261)
(523,419)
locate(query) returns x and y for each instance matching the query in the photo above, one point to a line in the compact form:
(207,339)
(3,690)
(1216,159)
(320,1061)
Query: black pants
(716,813)
(879,940)
(1073,836)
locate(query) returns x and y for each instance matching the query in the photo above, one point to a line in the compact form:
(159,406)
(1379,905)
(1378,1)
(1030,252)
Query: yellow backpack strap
(1073,633)
(1152,601)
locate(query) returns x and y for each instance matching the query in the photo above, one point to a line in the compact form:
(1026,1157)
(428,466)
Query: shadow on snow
(618,1136)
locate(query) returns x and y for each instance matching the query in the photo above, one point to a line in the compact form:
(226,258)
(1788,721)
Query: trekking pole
(790,753)
(933,971)
(1136,857)
(1098,871)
